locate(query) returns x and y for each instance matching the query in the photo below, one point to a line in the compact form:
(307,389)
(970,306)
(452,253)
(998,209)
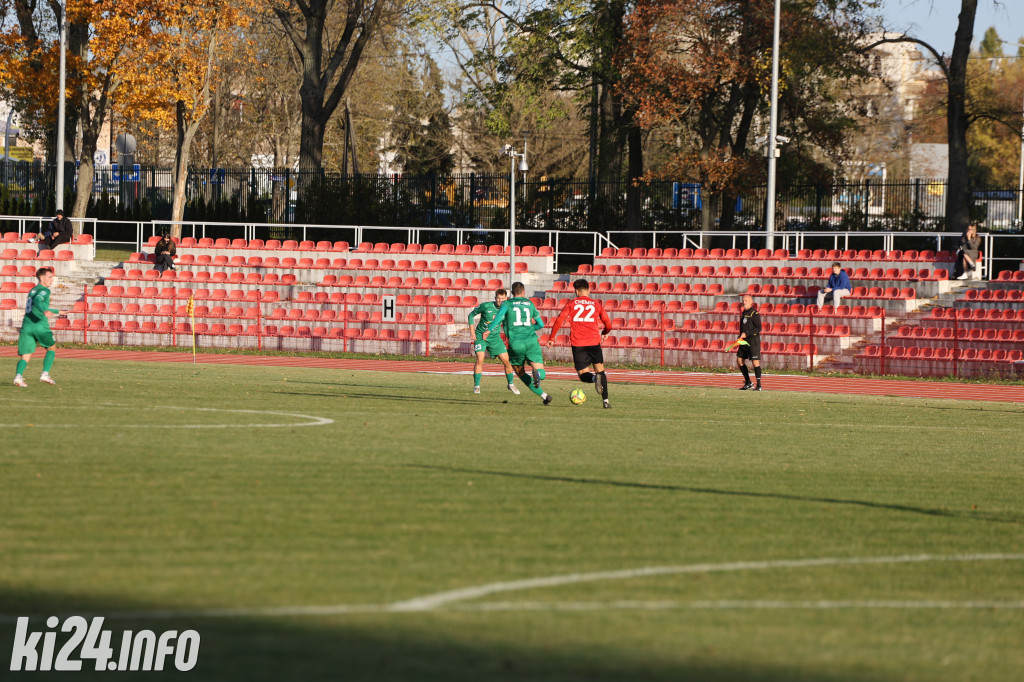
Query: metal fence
(478,201)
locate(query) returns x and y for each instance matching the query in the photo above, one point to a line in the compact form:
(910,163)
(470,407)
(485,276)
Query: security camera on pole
(509,151)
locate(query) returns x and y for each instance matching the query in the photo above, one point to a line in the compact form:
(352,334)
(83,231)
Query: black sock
(746,373)
(587,377)
(757,373)
(604,385)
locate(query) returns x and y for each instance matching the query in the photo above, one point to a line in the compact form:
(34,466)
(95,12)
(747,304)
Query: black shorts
(584,356)
(752,351)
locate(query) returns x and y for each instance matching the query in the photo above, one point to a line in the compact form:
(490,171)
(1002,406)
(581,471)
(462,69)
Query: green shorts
(493,345)
(521,351)
(32,336)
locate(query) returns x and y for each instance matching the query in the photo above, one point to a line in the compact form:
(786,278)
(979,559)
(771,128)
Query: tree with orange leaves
(173,70)
(158,56)
(698,72)
(29,72)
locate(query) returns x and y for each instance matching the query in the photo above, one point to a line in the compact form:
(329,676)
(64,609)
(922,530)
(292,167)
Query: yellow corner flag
(190,310)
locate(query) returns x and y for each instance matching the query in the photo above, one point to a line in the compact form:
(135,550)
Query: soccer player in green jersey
(35,328)
(521,328)
(495,346)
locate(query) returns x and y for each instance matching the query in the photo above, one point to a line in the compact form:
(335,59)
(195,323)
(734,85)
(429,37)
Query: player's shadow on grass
(422,647)
(926,511)
(984,407)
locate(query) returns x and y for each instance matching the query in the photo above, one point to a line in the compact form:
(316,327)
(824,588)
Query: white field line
(452,600)
(738,605)
(310,420)
(434,601)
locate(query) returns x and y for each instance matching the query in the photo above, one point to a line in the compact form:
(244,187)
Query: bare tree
(329,58)
(954,69)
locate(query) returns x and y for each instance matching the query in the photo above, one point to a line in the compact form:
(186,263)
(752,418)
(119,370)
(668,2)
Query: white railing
(791,241)
(355,234)
(796,241)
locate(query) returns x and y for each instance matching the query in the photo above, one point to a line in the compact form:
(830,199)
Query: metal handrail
(791,241)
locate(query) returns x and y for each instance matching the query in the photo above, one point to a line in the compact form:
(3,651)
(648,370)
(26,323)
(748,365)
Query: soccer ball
(577,396)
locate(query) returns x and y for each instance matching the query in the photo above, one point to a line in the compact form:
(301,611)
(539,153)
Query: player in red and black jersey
(584,315)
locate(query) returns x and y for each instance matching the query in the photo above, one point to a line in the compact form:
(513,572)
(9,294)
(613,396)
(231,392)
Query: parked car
(571,215)
(446,221)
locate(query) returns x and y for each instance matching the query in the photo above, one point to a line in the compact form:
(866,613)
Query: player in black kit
(750,333)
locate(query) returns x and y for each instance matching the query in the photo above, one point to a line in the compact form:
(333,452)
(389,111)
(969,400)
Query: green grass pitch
(145,488)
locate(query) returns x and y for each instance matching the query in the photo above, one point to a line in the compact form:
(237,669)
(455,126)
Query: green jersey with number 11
(522,321)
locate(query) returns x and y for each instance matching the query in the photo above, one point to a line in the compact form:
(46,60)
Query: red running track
(780,382)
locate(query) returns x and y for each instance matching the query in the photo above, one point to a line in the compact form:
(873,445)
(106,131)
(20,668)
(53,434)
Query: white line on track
(452,600)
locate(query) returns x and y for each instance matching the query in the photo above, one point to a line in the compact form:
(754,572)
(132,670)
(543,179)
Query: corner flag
(190,310)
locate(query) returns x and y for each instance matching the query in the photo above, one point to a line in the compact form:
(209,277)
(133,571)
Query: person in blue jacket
(838,285)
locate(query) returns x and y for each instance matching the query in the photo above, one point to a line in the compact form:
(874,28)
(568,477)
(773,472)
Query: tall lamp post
(773,131)
(60,106)
(1020,180)
(509,151)
(7,142)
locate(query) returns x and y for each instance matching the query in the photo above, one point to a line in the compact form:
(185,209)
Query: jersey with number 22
(585,317)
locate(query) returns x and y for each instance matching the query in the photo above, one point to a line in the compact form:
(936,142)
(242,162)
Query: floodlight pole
(1020,181)
(512,221)
(60,106)
(7,143)
(773,131)
(510,151)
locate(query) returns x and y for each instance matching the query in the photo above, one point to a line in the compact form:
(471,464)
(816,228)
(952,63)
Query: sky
(935,21)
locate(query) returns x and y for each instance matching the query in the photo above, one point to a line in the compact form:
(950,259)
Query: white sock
(44,375)
(18,376)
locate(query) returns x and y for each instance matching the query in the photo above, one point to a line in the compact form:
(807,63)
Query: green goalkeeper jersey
(522,321)
(36,307)
(487,311)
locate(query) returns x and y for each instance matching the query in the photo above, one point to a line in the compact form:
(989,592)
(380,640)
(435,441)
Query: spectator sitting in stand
(59,231)
(967,255)
(164,252)
(838,285)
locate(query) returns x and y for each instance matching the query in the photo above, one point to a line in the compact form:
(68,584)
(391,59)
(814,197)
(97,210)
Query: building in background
(889,108)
